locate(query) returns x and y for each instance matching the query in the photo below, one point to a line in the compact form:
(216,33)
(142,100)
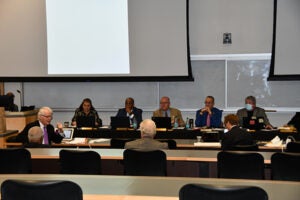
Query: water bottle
(187,123)
(175,123)
(134,123)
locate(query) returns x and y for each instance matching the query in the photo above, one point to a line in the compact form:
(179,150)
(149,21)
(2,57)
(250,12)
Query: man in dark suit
(147,142)
(134,114)
(235,135)
(49,134)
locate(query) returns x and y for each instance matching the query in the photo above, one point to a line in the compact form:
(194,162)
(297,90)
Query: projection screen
(94,40)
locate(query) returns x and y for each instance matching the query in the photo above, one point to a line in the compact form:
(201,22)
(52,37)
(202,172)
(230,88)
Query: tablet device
(119,122)
(68,134)
(162,122)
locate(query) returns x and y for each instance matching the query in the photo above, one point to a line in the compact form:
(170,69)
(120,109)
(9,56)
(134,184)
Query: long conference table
(180,163)
(153,188)
(259,135)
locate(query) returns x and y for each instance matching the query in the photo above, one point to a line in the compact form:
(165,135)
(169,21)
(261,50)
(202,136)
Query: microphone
(21,98)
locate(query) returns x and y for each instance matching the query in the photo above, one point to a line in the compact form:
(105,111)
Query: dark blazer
(295,121)
(52,135)
(236,136)
(136,111)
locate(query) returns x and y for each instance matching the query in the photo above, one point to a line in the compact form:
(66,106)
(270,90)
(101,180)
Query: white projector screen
(94,40)
(285,64)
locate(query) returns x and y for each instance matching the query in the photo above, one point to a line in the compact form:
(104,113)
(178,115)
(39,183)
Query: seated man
(209,116)
(251,111)
(35,135)
(134,114)
(166,111)
(147,142)
(295,121)
(49,134)
(235,135)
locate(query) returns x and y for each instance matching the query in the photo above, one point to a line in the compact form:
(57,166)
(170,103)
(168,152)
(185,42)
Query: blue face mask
(248,107)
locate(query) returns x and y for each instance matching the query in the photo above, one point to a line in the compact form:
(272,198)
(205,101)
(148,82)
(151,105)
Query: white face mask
(249,107)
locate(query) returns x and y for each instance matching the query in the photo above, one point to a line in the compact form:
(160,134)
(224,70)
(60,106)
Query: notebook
(68,134)
(253,123)
(85,121)
(119,122)
(162,122)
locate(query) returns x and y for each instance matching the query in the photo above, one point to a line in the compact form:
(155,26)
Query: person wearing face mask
(235,135)
(251,111)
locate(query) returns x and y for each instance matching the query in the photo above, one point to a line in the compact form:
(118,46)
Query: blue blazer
(215,118)
(136,111)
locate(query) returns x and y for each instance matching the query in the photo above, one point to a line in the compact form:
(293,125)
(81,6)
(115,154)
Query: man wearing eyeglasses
(166,111)
(45,116)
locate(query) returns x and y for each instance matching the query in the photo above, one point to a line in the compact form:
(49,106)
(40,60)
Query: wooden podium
(18,120)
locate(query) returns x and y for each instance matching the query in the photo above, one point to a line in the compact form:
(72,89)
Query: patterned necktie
(208,120)
(46,139)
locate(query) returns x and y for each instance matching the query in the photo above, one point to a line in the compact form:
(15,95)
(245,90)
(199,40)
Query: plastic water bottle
(187,123)
(175,123)
(134,124)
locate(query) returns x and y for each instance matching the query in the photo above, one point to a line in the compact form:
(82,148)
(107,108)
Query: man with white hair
(45,115)
(35,135)
(147,142)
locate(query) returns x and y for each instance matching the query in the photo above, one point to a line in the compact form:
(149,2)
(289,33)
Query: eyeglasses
(47,116)
(164,102)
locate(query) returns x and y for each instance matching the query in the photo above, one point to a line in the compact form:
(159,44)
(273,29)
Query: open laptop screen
(162,122)
(119,122)
(68,134)
(85,121)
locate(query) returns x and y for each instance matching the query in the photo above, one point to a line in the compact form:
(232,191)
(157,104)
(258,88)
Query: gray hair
(35,133)
(42,110)
(148,128)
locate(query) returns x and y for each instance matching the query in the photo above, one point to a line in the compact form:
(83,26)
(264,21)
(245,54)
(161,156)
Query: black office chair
(145,163)
(293,147)
(285,166)
(37,190)
(212,192)
(15,161)
(171,143)
(119,143)
(250,147)
(240,165)
(79,162)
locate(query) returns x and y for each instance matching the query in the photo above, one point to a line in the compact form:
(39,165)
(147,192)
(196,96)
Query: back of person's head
(35,135)
(148,128)
(232,119)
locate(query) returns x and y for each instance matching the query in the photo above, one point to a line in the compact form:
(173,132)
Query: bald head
(35,135)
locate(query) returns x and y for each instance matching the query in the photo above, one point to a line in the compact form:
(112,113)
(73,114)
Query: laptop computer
(68,134)
(85,121)
(162,122)
(253,123)
(119,122)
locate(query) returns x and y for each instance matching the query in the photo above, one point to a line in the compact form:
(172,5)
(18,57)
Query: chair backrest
(15,161)
(119,143)
(293,147)
(145,163)
(285,166)
(171,143)
(36,190)
(251,147)
(240,165)
(79,162)
(212,192)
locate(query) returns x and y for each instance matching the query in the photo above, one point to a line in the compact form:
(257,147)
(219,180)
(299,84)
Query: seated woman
(85,115)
